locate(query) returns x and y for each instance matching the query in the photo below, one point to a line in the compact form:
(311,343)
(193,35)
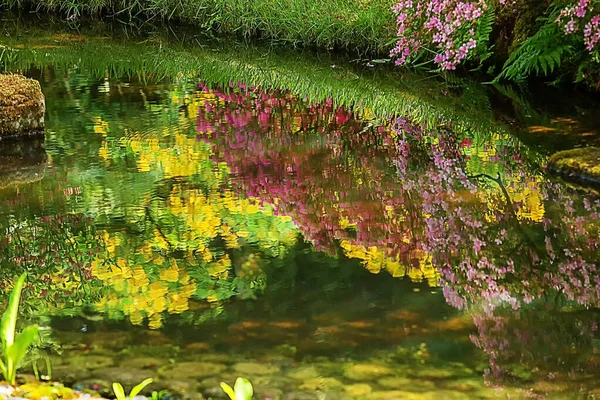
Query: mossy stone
(22,106)
(128,377)
(69,375)
(366,372)
(304,373)
(358,389)
(394,394)
(191,370)
(213,357)
(90,362)
(446,395)
(301,395)
(144,363)
(249,368)
(465,385)
(407,384)
(321,383)
(578,165)
(430,372)
(185,389)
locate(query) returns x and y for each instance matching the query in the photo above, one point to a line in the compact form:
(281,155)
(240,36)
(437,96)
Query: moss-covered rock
(358,390)
(321,383)
(22,106)
(578,165)
(90,362)
(304,373)
(366,372)
(191,370)
(249,368)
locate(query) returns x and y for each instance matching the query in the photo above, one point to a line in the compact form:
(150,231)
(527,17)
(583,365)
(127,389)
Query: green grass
(360,26)
(383,91)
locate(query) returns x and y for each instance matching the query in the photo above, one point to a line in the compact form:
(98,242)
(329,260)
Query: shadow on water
(194,232)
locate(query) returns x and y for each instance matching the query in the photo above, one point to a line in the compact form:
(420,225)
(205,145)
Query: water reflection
(271,222)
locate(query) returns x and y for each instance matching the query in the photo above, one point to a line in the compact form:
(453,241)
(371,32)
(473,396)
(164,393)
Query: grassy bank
(361,26)
(381,91)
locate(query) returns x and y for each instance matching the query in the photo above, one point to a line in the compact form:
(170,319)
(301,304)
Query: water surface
(194,232)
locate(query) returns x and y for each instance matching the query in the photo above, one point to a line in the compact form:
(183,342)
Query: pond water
(194,232)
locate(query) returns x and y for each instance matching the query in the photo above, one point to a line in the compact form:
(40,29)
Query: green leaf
(138,388)
(118,390)
(228,390)
(243,389)
(16,352)
(9,319)
(3,369)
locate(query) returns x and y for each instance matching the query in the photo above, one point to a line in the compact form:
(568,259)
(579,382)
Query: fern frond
(540,53)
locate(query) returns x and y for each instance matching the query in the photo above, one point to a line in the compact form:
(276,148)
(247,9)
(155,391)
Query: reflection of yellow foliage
(179,159)
(525,195)
(100,126)
(137,296)
(376,260)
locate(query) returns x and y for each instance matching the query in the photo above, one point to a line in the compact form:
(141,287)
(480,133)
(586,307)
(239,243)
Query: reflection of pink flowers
(405,191)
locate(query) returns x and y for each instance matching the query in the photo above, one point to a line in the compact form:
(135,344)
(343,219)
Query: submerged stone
(214,357)
(143,363)
(299,395)
(431,372)
(465,384)
(578,165)
(249,368)
(366,372)
(446,395)
(128,377)
(304,373)
(185,389)
(102,387)
(191,370)
(411,385)
(22,106)
(321,384)
(69,375)
(358,390)
(394,394)
(90,362)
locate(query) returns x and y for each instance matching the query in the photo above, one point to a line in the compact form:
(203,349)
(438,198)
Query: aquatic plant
(14,346)
(242,389)
(120,392)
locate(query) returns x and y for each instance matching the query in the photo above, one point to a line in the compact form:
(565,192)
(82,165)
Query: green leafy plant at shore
(120,392)
(14,347)
(242,389)
(542,54)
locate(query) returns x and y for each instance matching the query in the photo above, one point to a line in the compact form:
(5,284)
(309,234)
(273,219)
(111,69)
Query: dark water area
(194,232)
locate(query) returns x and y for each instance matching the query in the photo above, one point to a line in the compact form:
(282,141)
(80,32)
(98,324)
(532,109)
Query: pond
(194,232)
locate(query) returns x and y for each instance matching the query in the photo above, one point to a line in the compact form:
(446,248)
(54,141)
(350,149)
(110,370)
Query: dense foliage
(544,36)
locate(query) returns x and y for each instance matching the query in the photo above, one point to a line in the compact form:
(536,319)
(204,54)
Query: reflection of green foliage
(381,91)
(56,251)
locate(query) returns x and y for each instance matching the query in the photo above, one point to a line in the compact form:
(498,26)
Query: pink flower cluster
(582,16)
(449,25)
